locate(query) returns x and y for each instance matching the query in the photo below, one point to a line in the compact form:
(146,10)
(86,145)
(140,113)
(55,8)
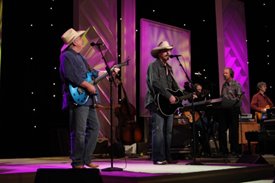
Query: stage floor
(141,169)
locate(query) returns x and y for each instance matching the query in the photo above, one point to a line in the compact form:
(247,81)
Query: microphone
(197,73)
(96,44)
(172,56)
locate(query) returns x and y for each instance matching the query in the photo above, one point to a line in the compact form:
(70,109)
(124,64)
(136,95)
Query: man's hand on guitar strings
(172,99)
(92,89)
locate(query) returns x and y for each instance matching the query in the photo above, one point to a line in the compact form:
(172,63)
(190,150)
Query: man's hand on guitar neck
(114,72)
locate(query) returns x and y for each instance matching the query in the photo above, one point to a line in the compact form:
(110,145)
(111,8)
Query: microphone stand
(111,80)
(194,161)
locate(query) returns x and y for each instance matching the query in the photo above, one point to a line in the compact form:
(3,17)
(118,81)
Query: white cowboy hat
(164,45)
(69,36)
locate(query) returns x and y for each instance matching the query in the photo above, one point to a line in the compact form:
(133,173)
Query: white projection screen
(152,33)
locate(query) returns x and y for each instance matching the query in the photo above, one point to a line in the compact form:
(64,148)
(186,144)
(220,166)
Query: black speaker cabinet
(267,138)
(45,175)
(181,136)
(252,159)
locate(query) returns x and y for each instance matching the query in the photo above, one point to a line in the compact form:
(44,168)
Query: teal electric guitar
(80,95)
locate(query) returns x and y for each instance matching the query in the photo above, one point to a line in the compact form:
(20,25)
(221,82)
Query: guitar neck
(98,79)
(186,96)
(111,70)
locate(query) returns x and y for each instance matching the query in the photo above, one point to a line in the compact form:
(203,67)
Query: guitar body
(259,115)
(80,95)
(165,107)
(189,116)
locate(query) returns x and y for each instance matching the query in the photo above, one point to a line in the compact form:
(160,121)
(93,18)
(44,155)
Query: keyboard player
(201,122)
(207,126)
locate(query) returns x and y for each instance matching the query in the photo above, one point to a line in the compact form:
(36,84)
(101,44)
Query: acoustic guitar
(165,107)
(259,115)
(189,116)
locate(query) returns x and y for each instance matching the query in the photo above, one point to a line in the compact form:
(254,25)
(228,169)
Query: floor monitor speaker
(252,159)
(47,175)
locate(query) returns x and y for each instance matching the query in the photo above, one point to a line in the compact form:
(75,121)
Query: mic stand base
(110,169)
(194,162)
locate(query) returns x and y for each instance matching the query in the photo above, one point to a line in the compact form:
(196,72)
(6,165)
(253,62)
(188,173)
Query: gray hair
(260,84)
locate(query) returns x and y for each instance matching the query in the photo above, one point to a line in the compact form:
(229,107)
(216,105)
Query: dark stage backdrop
(1,13)
(31,121)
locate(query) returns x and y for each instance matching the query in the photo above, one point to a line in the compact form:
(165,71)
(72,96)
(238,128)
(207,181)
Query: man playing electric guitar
(82,119)
(80,95)
(261,102)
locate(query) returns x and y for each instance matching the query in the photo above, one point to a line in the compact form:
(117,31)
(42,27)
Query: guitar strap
(86,63)
(151,89)
(95,97)
(170,72)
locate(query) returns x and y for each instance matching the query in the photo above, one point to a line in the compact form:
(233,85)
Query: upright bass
(129,131)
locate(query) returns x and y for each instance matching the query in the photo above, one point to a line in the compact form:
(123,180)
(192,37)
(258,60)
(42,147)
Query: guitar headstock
(121,64)
(126,62)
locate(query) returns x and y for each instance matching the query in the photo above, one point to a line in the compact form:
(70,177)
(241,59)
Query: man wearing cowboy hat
(83,119)
(159,78)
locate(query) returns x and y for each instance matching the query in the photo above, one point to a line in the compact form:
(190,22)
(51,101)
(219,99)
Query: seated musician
(261,102)
(200,120)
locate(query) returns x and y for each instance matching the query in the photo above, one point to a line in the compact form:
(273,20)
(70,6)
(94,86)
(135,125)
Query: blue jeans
(84,130)
(161,137)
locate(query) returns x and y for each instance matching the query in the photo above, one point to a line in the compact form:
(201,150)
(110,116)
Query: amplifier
(245,116)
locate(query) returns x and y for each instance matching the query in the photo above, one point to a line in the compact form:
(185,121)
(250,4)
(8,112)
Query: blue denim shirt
(73,70)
